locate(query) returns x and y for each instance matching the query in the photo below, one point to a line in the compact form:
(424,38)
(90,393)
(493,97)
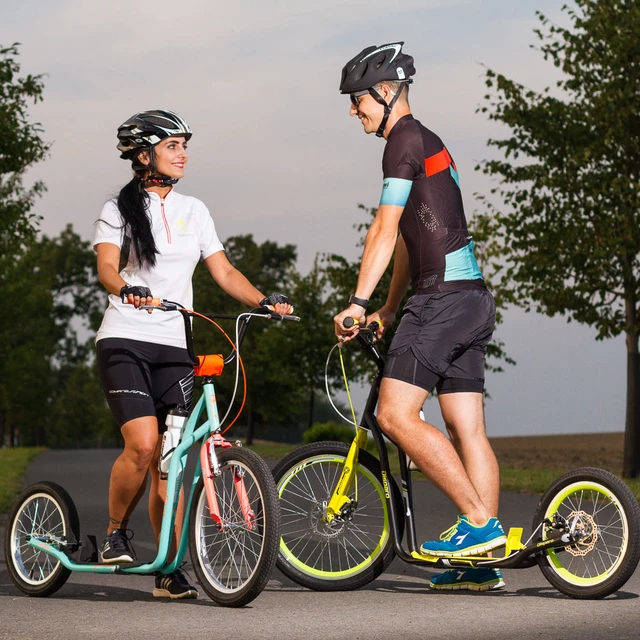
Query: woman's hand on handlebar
(355,312)
(136,295)
(278,303)
(384,318)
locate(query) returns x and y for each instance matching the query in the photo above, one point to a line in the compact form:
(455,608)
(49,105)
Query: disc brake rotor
(320,526)
(585,533)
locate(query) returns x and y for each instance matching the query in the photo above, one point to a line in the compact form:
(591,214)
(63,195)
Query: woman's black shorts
(442,341)
(143,378)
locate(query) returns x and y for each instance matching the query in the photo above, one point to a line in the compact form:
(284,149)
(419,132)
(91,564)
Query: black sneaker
(174,585)
(117,548)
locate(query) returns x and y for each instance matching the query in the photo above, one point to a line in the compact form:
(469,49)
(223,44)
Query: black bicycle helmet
(147,128)
(375,64)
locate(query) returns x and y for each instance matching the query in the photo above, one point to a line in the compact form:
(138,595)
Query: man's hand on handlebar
(383,318)
(346,333)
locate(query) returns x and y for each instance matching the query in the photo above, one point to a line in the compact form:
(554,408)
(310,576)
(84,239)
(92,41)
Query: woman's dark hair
(133,204)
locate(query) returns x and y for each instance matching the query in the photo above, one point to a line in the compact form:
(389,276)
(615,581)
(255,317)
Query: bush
(329,431)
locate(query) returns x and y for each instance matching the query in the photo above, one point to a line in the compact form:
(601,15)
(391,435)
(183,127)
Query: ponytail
(133,204)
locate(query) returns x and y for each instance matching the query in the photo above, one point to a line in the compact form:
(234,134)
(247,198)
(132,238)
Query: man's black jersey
(420,175)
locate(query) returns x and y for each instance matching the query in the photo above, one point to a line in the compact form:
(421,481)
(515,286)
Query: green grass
(272,450)
(526,480)
(13,464)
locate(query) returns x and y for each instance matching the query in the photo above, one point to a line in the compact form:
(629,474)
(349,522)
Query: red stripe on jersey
(438,162)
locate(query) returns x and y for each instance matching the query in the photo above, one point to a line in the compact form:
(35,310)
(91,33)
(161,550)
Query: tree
(569,182)
(50,293)
(20,147)
(310,341)
(271,378)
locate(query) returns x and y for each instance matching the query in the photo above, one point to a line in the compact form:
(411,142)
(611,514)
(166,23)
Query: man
(446,325)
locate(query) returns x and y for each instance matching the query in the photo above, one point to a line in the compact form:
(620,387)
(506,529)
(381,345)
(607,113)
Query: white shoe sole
(468,586)
(474,551)
(118,560)
(163,593)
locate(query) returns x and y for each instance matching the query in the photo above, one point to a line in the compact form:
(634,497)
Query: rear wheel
(604,518)
(348,552)
(44,510)
(233,563)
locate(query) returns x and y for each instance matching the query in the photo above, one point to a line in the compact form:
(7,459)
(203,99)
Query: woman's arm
(236,284)
(109,276)
(108,261)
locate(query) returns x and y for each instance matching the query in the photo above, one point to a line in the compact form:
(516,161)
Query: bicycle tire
(46,509)
(345,554)
(233,565)
(606,511)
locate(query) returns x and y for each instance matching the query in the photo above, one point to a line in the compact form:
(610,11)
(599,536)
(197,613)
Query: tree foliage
(271,387)
(50,294)
(20,147)
(568,222)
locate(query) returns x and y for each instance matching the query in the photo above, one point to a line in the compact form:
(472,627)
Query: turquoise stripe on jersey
(454,175)
(395,191)
(461,265)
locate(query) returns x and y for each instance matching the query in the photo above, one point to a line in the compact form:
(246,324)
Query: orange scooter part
(211,365)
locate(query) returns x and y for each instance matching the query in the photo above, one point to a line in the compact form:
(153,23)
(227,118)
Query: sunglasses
(355,97)
(358,94)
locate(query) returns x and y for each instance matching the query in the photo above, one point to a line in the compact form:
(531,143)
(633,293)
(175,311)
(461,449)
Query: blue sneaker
(480,579)
(466,539)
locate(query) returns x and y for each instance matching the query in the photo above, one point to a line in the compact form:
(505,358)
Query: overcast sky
(274,151)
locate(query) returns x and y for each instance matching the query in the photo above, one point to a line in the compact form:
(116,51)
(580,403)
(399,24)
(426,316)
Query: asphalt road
(398,605)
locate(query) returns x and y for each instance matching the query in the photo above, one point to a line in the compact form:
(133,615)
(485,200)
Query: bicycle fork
(339,497)
(211,470)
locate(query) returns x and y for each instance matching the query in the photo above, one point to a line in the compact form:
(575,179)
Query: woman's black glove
(274,299)
(142,292)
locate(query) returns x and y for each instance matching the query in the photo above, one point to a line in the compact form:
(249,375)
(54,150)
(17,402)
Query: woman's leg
(129,473)
(157,497)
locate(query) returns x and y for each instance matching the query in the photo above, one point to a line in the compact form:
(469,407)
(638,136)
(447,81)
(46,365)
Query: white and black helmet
(147,128)
(374,65)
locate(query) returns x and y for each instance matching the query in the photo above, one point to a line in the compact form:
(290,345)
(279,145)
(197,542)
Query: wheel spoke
(229,557)
(347,541)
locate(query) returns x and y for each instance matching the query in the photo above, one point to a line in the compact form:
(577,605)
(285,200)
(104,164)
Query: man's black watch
(361,302)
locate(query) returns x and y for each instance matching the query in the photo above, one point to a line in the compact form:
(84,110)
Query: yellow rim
(592,492)
(294,561)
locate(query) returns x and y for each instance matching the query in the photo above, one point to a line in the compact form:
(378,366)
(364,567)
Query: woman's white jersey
(185,234)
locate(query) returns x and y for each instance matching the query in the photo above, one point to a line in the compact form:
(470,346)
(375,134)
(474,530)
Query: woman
(148,242)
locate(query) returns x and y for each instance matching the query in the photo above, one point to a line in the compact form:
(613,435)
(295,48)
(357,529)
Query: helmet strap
(387,107)
(155,180)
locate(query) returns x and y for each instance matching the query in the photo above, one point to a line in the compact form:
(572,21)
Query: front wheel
(351,550)
(604,518)
(233,561)
(44,510)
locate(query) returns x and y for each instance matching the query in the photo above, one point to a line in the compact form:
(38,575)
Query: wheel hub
(321,526)
(584,531)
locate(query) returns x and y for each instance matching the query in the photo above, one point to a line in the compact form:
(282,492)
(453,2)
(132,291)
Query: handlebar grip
(372,326)
(272,308)
(155,302)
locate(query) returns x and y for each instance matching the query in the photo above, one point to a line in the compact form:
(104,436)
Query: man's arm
(378,249)
(399,282)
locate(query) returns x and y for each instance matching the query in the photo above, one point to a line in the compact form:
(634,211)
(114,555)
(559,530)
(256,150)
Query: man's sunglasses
(354,97)
(358,94)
